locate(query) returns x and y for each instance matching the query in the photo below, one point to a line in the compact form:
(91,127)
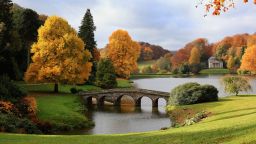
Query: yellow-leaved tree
(123,52)
(194,56)
(249,60)
(58,55)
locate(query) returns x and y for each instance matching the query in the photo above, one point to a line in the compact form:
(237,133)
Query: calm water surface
(125,119)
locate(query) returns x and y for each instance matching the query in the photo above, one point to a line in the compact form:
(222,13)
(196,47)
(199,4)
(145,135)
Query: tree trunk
(56,88)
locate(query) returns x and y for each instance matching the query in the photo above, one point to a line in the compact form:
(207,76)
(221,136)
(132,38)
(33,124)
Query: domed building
(213,62)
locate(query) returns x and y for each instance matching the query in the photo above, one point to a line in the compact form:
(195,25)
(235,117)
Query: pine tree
(86,33)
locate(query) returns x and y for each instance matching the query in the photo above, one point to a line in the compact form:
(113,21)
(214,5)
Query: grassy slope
(61,109)
(232,121)
(215,71)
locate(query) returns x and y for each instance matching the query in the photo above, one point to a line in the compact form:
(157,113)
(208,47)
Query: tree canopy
(123,52)
(59,55)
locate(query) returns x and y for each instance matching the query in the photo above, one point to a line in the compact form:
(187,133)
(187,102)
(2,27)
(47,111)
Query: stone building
(213,62)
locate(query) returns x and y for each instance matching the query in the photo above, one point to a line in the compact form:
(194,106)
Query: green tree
(6,18)
(86,33)
(164,63)
(105,75)
(28,29)
(236,84)
(8,41)
(184,69)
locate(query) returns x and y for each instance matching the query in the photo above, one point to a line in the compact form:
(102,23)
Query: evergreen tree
(8,63)
(28,29)
(105,76)
(86,33)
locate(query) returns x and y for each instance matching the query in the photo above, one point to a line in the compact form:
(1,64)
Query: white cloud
(170,24)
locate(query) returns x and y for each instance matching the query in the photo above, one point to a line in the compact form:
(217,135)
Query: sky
(168,23)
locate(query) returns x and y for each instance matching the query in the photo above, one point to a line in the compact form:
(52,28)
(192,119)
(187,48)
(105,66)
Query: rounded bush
(192,93)
(73,90)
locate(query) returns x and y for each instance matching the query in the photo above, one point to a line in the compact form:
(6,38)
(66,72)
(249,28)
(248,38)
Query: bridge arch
(118,99)
(138,100)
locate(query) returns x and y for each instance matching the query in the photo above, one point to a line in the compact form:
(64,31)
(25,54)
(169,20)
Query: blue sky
(169,23)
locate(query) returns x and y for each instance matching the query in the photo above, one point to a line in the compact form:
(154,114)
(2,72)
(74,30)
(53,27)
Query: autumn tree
(219,6)
(86,33)
(146,54)
(123,52)
(248,62)
(231,63)
(59,55)
(194,56)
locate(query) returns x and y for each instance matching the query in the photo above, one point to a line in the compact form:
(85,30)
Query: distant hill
(157,51)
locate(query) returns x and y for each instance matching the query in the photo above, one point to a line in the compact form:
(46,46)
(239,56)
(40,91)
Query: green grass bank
(232,121)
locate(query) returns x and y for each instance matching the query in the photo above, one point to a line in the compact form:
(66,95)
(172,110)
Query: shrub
(11,123)
(184,69)
(147,70)
(191,93)
(7,107)
(28,107)
(195,68)
(9,91)
(73,90)
(105,75)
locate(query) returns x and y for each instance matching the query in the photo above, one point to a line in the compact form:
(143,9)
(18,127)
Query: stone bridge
(115,95)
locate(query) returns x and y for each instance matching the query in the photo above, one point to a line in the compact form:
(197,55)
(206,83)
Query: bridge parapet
(115,95)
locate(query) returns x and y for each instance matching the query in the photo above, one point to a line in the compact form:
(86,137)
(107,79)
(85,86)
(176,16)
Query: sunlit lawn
(232,121)
(61,109)
(214,71)
(48,88)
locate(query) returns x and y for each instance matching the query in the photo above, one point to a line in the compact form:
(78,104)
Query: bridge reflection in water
(114,96)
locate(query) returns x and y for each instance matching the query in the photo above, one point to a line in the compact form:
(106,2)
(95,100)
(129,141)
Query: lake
(125,119)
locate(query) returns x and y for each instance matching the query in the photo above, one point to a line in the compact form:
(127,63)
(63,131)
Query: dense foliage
(59,55)
(105,75)
(236,84)
(191,93)
(123,52)
(9,91)
(86,33)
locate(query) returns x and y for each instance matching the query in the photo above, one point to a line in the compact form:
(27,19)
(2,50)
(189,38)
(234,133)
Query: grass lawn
(232,121)
(139,76)
(123,83)
(62,109)
(50,87)
(145,63)
(214,71)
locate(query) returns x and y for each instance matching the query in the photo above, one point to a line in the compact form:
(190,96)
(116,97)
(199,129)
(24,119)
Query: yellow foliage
(59,55)
(194,56)
(123,52)
(249,59)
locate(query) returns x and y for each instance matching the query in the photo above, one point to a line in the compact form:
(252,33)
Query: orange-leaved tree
(194,56)
(123,52)
(58,55)
(218,6)
(249,60)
